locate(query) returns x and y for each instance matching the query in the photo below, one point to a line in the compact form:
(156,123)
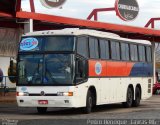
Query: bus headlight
(64,93)
(60,93)
(22,94)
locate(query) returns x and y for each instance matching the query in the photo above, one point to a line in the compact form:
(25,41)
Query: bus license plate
(43,102)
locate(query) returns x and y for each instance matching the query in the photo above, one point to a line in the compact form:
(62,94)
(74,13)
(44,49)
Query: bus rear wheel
(137,100)
(42,110)
(129,99)
(89,103)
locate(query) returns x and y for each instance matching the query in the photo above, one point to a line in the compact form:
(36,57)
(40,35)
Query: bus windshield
(45,69)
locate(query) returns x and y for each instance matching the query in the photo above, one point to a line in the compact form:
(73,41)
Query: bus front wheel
(129,99)
(89,103)
(42,110)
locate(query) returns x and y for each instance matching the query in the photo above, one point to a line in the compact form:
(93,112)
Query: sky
(82,8)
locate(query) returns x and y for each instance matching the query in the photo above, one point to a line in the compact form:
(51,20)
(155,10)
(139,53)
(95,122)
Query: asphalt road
(148,110)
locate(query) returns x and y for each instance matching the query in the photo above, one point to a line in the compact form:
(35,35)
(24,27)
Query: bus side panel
(114,90)
(115,77)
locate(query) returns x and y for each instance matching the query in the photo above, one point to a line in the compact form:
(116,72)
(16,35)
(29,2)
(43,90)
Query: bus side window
(104,49)
(142,55)
(82,46)
(115,50)
(133,52)
(124,51)
(149,54)
(93,48)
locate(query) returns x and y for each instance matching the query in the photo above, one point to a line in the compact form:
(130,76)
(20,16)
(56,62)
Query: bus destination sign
(127,10)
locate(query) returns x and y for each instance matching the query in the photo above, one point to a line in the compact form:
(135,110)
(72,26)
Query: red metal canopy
(122,30)
(8,18)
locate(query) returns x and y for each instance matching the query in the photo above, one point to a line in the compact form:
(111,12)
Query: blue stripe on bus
(142,70)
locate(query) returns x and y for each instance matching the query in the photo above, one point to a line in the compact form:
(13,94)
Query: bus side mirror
(12,75)
(11,67)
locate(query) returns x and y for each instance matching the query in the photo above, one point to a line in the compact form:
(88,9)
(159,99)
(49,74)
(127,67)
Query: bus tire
(89,103)
(137,100)
(129,98)
(42,110)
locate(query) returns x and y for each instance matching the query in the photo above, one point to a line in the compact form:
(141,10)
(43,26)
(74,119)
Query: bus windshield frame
(63,61)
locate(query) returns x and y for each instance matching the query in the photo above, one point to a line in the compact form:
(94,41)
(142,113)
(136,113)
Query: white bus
(82,68)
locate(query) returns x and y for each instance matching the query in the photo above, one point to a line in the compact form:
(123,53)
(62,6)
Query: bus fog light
(66,101)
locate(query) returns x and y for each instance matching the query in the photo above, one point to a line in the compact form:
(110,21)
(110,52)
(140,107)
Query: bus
(82,68)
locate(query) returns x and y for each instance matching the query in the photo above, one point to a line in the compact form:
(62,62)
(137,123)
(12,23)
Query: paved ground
(149,109)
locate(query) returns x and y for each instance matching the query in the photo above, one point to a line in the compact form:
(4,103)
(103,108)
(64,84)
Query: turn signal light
(70,93)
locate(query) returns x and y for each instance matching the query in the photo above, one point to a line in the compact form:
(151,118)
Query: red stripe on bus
(109,68)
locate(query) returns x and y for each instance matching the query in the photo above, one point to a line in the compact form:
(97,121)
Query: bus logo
(42,93)
(28,44)
(24,89)
(98,68)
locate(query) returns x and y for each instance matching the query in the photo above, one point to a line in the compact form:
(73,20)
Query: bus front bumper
(34,101)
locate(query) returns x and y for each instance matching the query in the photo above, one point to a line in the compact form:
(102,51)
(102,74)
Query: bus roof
(78,32)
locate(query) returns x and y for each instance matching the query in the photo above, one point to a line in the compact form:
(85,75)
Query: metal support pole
(154,62)
(5,86)
(28,27)
(94,13)
(32,6)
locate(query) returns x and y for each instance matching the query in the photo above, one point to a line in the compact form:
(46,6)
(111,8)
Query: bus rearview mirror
(11,67)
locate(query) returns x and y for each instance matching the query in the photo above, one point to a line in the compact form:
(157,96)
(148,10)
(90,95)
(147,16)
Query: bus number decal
(98,68)
(28,44)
